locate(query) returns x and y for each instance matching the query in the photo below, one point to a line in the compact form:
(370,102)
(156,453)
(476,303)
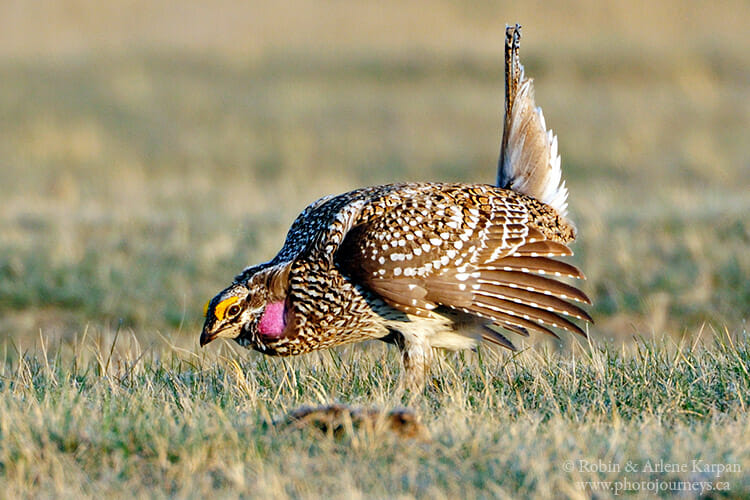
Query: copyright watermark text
(631,476)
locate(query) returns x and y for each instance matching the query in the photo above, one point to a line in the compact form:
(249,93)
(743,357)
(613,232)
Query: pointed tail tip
(512,29)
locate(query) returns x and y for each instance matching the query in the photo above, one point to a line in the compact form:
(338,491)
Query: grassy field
(148,153)
(163,423)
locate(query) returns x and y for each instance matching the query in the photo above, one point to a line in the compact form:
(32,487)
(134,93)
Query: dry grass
(120,420)
(148,152)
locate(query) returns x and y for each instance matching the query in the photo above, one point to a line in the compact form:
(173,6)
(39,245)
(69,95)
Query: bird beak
(206,337)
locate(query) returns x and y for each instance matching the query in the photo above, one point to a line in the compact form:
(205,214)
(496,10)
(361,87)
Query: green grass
(148,153)
(104,419)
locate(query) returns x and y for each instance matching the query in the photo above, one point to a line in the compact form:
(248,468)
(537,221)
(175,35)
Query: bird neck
(273,321)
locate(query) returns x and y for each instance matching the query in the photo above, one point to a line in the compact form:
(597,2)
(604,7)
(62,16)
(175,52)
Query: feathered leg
(416,354)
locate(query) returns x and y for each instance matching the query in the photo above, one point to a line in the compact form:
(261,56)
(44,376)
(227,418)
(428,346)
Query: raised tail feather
(529,162)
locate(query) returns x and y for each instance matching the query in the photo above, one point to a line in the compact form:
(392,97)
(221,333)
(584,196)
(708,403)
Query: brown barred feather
(496,338)
(540,265)
(403,291)
(533,236)
(517,329)
(527,312)
(503,319)
(535,299)
(543,248)
(533,283)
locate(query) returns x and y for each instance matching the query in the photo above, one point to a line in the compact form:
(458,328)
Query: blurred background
(149,150)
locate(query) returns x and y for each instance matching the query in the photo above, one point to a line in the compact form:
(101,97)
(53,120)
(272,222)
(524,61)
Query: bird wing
(469,248)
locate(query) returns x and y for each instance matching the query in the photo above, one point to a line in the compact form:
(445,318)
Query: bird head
(246,311)
(228,312)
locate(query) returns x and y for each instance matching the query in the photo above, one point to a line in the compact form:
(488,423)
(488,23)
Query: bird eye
(233,311)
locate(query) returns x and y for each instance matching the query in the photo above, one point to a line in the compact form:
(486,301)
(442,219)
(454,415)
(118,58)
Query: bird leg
(416,354)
